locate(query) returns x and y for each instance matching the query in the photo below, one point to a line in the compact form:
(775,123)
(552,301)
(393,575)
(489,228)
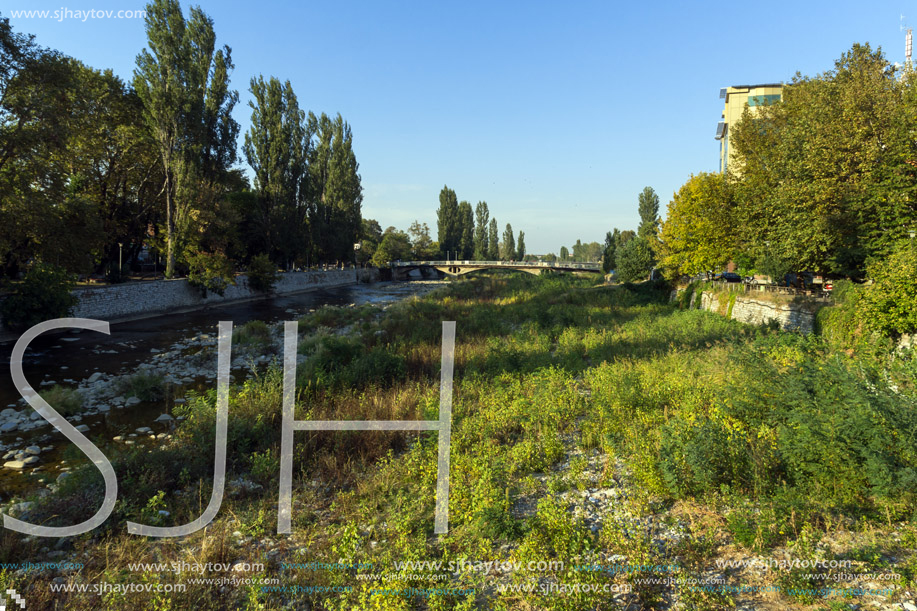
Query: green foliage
(146,386)
(648,207)
(699,233)
(889,305)
(210,272)
(775,266)
(824,175)
(395,246)
(44,294)
(67,401)
(508,244)
(262,274)
(634,261)
(448,221)
(254,333)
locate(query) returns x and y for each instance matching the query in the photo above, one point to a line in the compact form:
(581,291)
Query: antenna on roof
(908,42)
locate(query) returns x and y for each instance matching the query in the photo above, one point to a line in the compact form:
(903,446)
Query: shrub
(44,294)
(890,305)
(254,333)
(210,272)
(145,386)
(67,401)
(262,274)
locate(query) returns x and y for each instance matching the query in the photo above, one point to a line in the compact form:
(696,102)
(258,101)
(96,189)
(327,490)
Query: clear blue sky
(557,114)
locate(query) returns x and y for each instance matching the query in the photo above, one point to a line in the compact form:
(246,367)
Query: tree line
(823,180)
(95,171)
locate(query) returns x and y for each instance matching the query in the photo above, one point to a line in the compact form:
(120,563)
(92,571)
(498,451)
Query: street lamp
(120,245)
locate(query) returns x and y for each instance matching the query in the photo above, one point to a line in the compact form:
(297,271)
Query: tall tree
(608,255)
(700,230)
(520,246)
(183,85)
(277,147)
(509,244)
(447,222)
(466,223)
(564,253)
(634,261)
(482,216)
(648,206)
(493,241)
(337,192)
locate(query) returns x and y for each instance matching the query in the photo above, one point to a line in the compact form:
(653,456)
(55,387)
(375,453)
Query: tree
(44,294)
(481,247)
(422,248)
(635,260)
(608,255)
(520,247)
(825,175)
(370,238)
(182,83)
(395,246)
(448,223)
(277,147)
(648,207)
(700,230)
(509,244)
(337,192)
(493,241)
(466,224)
(564,253)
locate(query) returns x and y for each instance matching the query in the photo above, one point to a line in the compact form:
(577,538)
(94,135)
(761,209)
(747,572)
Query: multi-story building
(736,99)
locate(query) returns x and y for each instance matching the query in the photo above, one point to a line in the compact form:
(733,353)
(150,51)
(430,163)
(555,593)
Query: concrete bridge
(401,269)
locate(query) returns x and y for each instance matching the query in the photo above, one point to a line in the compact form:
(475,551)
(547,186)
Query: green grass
(754,438)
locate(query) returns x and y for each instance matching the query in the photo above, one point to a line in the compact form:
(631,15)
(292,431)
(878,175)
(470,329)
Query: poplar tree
(493,241)
(509,243)
(466,223)
(447,222)
(482,215)
(183,85)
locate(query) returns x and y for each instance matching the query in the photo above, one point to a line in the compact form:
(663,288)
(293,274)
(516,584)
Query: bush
(145,386)
(210,272)
(66,401)
(44,294)
(262,274)
(254,333)
(890,305)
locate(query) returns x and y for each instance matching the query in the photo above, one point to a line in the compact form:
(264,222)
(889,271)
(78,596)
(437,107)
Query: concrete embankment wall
(796,314)
(134,300)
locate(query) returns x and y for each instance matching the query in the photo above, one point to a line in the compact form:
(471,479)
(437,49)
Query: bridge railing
(563,265)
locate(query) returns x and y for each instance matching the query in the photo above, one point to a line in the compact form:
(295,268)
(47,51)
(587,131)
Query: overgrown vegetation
(742,438)
(43,294)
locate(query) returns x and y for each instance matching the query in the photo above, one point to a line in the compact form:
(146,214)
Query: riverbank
(608,450)
(154,298)
(124,387)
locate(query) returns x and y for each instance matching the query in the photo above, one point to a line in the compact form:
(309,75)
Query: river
(69,359)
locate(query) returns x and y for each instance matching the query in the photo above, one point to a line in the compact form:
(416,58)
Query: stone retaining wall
(133,300)
(791,316)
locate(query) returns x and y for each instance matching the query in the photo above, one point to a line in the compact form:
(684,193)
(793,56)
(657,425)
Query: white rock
(143,430)
(34,450)
(94,377)
(30,460)
(14,464)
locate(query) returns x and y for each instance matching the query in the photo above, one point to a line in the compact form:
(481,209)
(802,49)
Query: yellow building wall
(736,99)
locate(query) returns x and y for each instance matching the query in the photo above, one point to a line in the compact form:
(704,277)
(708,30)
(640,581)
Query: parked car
(728,277)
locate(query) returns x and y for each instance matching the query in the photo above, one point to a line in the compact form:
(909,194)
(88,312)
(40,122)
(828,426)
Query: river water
(68,358)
